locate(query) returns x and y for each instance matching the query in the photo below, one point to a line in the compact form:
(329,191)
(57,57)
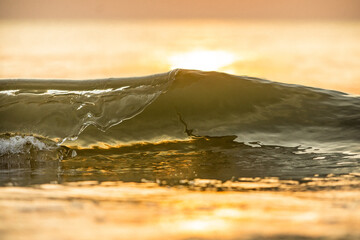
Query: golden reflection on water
(146,211)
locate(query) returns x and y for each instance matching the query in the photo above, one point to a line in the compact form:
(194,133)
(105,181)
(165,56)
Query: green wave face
(178,105)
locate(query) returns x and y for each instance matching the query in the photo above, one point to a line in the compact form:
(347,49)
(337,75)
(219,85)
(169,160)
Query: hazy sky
(304,9)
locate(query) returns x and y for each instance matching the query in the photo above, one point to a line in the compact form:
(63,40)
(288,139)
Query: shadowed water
(175,163)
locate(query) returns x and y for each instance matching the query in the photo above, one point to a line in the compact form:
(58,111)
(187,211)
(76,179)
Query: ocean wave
(178,105)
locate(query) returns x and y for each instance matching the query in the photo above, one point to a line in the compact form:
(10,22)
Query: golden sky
(283,9)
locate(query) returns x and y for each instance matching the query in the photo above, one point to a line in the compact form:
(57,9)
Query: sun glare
(202,225)
(205,60)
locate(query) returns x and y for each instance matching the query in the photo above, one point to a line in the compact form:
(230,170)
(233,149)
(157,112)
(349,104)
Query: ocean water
(179,153)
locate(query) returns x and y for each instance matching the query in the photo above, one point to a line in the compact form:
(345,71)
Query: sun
(205,60)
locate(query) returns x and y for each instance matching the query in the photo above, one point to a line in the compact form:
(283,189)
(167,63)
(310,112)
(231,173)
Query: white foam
(9,92)
(17,144)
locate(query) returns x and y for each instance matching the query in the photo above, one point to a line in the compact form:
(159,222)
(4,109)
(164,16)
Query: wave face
(176,105)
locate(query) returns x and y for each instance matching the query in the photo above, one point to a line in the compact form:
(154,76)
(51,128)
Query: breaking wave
(177,105)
